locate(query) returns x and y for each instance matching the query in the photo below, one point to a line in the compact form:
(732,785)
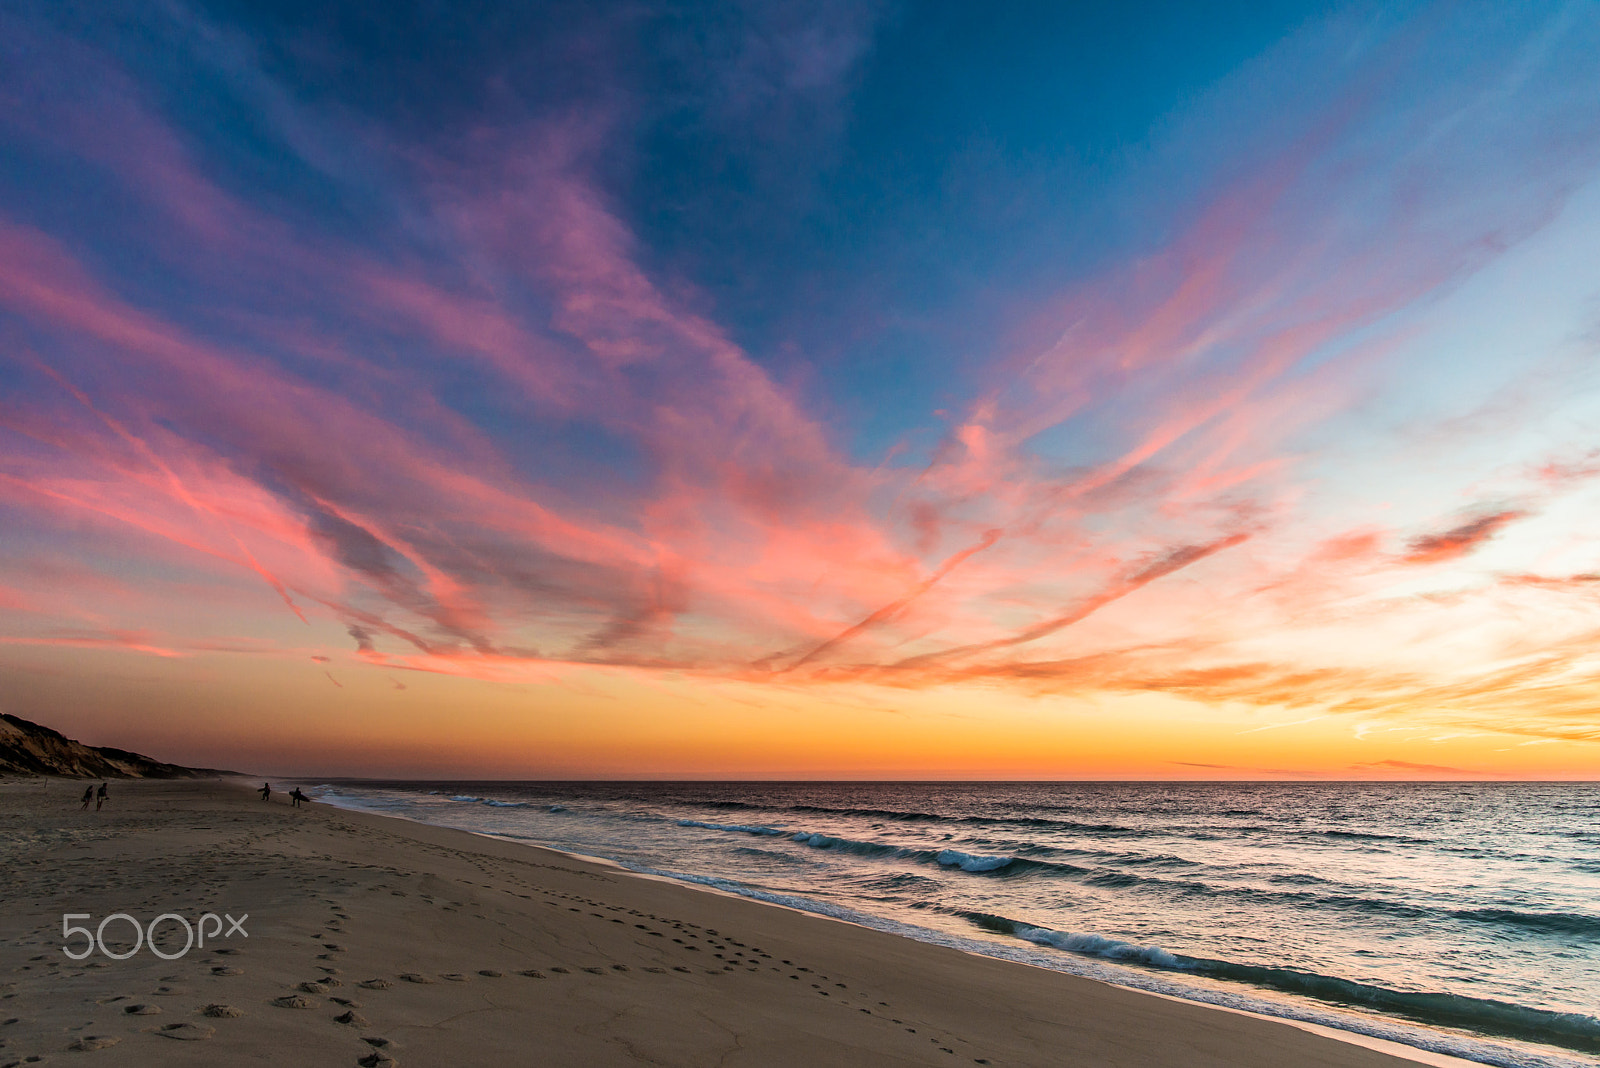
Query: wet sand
(376,941)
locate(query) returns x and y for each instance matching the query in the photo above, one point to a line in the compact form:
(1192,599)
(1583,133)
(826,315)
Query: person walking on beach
(296,797)
(88,795)
(100,797)
(266,790)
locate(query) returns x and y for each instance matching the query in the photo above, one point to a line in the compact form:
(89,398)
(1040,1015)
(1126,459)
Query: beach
(362,939)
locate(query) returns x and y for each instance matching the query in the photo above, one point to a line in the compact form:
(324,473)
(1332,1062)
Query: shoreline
(1211,995)
(1381,1045)
(413,943)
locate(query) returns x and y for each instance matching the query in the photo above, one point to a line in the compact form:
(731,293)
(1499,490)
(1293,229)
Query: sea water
(1459,918)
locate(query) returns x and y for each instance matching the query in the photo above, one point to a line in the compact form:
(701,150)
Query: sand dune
(374,941)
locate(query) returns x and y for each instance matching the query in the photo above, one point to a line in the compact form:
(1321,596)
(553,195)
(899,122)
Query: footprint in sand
(222,1012)
(224,969)
(90,1042)
(375,984)
(186,1032)
(377,1059)
(455,977)
(351,1019)
(490,973)
(532,973)
(294,1001)
(414,977)
(141,1010)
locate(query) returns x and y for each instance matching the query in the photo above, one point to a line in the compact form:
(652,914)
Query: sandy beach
(376,941)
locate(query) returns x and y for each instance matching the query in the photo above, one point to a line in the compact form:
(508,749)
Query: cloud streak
(1457,541)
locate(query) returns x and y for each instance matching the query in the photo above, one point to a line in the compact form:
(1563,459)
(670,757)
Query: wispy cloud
(1245,769)
(1407,765)
(1457,541)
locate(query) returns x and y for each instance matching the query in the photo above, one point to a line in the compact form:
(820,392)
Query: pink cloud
(1460,540)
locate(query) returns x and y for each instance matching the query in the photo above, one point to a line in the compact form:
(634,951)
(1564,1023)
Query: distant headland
(28,748)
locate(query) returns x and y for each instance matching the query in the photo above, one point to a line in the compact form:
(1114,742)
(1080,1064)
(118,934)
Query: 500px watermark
(146,936)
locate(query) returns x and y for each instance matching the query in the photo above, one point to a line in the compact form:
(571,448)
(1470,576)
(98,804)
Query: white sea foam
(967,862)
(1094,945)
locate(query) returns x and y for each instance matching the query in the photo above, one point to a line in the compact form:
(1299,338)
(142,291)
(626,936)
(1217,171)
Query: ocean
(1460,918)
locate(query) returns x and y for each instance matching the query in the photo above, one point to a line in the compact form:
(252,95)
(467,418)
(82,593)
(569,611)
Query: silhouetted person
(266,790)
(88,795)
(100,797)
(295,796)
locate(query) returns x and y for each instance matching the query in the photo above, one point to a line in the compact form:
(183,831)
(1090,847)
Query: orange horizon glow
(607,724)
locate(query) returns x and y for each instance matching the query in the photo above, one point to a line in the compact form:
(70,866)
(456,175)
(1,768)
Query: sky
(804,390)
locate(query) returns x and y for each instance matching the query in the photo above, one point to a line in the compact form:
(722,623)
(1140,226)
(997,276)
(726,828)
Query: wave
(1570,1030)
(1557,923)
(1091,945)
(1104,830)
(1369,836)
(918,816)
(471,799)
(870,813)
(945,858)
(851,845)
(738,827)
(954,858)
(1101,829)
